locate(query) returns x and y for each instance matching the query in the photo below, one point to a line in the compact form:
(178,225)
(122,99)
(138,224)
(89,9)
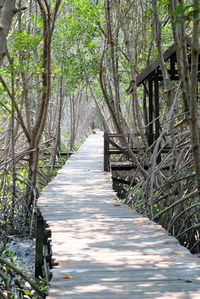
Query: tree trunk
(100,110)
(7,10)
(189,79)
(194,127)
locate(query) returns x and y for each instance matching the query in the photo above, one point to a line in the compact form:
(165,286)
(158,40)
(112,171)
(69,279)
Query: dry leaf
(112,244)
(114,198)
(57,267)
(177,252)
(67,276)
(117,205)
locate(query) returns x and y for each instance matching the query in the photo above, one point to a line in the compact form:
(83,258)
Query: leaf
(67,276)
(177,252)
(114,198)
(117,205)
(179,8)
(196,13)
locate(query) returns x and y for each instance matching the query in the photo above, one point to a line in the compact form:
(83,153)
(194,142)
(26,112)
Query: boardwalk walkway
(109,250)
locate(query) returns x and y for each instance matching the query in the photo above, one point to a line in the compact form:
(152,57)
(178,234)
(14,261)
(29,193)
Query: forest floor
(21,251)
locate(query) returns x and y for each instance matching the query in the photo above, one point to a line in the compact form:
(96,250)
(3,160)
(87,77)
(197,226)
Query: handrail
(107,152)
(119,149)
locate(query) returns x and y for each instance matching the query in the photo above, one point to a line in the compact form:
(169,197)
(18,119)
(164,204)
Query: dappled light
(104,248)
(100,149)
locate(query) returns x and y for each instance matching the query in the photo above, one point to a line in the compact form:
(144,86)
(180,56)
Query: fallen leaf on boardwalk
(114,198)
(112,244)
(57,267)
(177,252)
(67,276)
(116,205)
(122,224)
(159,228)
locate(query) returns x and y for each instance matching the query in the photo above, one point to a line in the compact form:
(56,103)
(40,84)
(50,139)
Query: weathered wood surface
(109,250)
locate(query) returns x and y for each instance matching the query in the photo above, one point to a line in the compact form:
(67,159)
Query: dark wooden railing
(116,148)
(111,147)
(43,253)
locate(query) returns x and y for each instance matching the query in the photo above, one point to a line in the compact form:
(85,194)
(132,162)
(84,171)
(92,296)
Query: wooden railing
(116,148)
(43,253)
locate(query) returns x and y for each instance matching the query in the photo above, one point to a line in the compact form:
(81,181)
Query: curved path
(104,249)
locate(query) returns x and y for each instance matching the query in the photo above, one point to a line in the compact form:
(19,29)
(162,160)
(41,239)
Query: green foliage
(42,283)
(185,12)
(79,142)
(76,42)
(25,43)
(64,148)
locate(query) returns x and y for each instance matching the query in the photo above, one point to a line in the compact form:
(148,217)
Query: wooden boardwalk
(107,249)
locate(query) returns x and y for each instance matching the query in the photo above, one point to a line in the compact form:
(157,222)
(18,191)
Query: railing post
(39,246)
(106,152)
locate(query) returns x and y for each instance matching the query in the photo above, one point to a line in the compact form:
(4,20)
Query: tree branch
(17,109)
(4,261)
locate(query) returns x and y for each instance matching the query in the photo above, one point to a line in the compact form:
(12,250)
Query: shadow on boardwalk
(107,249)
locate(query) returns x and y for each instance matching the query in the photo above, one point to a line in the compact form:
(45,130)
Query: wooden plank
(135,150)
(107,249)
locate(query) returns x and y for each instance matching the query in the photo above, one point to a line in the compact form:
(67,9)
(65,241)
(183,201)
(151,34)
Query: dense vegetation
(65,68)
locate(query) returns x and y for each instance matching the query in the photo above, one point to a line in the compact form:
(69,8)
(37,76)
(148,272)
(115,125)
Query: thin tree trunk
(39,125)
(57,142)
(189,79)
(100,110)
(13,150)
(7,9)
(60,112)
(194,128)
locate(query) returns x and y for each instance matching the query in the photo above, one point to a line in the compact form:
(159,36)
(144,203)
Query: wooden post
(39,246)
(106,152)
(150,127)
(157,123)
(156,95)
